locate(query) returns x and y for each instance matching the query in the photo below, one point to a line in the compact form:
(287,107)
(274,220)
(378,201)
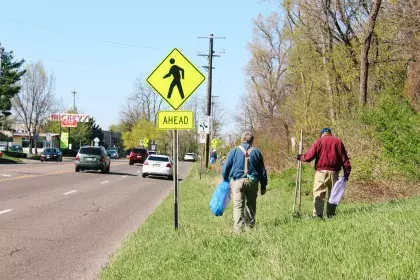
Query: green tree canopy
(9,77)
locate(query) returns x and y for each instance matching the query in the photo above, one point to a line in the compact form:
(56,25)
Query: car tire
(144,175)
(171,178)
(77,169)
(131,163)
(42,161)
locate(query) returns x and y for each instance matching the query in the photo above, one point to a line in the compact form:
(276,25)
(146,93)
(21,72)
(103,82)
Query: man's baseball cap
(325,130)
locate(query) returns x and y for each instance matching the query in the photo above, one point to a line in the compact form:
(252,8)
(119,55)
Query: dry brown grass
(382,190)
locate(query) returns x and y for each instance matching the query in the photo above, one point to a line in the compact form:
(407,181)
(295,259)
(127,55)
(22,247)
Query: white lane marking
(6,175)
(138,171)
(125,176)
(104,182)
(5,211)
(73,191)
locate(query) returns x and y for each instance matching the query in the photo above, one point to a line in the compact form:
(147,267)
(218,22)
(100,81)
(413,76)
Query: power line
(80,37)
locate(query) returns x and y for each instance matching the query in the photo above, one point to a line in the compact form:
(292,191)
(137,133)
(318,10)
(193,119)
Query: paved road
(58,224)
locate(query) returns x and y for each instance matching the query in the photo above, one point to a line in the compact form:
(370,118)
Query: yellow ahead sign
(175,120)
(175,79)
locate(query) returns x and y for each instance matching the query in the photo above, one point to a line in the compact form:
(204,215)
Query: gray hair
(247,137)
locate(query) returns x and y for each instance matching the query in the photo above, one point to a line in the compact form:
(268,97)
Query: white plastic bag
(337,191)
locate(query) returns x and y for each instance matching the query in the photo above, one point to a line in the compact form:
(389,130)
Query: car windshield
(138,151)
(49,151)
(161,159)
(90,151)
(190,154)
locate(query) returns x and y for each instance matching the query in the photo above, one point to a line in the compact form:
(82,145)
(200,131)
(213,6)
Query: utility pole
(74,100)
(210,56)
(1,54)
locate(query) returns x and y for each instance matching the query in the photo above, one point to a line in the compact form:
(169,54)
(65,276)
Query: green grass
(11,159)
(377,241)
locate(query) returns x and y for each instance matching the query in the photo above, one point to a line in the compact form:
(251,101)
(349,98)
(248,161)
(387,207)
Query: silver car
(158,165)
(190,157)
(93,158)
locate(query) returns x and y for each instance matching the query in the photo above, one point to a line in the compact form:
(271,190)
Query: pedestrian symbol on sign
(175,72)
(169,80)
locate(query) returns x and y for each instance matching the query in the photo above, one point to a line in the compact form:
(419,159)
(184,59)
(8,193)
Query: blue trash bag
(220,198)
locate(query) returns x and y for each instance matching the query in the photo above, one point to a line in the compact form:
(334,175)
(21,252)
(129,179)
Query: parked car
(190,157)
(113,154)
(16,148)
(93,158)
(138,155)
(152,153)
(158,165)
(51,154)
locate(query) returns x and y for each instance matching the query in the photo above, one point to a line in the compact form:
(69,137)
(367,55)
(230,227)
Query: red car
(138,155)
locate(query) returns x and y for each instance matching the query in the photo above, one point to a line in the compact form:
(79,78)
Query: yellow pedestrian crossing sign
(146,141)
(214,143)
(175,79)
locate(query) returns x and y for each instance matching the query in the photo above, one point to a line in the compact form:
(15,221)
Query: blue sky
(70,38)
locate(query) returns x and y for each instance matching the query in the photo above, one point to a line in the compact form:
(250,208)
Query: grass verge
(376,241)
(9,159)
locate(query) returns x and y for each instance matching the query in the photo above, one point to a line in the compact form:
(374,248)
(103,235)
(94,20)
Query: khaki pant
(244,196)
(324,180)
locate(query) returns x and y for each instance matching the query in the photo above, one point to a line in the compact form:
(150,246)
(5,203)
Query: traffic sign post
(214,143)
(96,140)
(175,79)
(204,125)
(146,142)
(179,120)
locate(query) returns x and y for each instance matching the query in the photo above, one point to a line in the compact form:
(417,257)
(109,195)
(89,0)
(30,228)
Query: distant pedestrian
(222,159)
(213,157)
(330,156)
(245,166)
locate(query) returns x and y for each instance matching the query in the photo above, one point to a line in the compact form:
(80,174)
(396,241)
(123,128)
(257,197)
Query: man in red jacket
(330,155)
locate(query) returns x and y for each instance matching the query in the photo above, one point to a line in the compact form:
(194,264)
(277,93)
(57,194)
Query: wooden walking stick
(298,185)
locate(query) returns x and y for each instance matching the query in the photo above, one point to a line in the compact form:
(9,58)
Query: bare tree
(364,55)
(143,103)
(36,100)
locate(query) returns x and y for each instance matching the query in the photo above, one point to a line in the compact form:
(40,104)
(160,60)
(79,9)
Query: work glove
(263,189)
(298,156)
(346,176)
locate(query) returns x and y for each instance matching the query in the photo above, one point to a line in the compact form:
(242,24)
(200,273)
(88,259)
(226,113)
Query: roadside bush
(397,126)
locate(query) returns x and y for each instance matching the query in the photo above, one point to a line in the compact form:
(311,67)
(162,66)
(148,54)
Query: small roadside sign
(214,143)
(96,140)
(204,125)
(68,123)
(182,120)
(175,79)
(202,138)
(146,142)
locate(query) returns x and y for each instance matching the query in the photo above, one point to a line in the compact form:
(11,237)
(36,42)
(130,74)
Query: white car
(158,165)
(189,157)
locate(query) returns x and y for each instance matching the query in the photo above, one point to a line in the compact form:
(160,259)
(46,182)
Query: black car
(51,154)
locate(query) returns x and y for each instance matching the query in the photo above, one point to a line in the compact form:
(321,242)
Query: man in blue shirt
(245,166)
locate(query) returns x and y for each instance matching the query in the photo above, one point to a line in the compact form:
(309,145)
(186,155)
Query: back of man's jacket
(234,166)
(329,154)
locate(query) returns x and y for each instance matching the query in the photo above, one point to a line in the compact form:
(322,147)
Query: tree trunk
(364,55)
(326,50)
(31,141)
